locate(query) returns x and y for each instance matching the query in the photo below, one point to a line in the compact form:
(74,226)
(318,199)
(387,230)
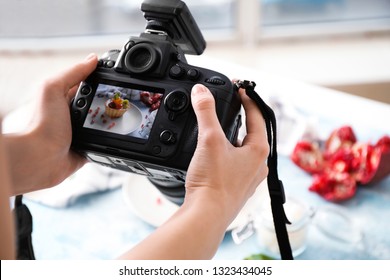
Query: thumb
(77,73)
(203,103)
(81,71)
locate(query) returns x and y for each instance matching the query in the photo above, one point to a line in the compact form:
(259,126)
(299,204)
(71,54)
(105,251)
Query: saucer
(151,206)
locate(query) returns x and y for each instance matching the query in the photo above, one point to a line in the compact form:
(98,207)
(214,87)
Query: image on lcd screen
(123,111)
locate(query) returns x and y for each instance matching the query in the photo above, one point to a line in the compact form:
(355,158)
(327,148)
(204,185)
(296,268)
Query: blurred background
(340,44)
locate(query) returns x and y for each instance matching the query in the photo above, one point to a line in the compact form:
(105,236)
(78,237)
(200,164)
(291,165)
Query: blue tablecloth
(102,226)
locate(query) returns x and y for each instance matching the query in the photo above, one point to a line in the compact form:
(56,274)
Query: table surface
(101,225)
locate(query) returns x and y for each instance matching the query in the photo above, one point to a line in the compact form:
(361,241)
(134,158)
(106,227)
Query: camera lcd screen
(123,111)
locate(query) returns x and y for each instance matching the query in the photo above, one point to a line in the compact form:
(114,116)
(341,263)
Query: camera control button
(85,90)
(176,71)
(176,101)
(193,74)
(81,103)
(167,137)
(156,150)
(110,64)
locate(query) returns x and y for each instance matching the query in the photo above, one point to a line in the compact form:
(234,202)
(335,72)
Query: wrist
(199,226)
(210,206)
(31,162)
(20,149)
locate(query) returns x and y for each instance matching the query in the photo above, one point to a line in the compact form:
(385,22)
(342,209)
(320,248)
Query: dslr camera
(134,111)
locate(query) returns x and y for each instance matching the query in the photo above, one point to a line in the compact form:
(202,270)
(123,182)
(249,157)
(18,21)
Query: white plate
(152,207)
(128,123)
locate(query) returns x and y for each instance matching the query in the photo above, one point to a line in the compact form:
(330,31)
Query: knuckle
(261,151)
(52,85)
(48,87)
(210,137)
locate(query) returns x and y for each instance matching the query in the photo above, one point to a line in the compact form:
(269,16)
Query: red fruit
(384,144)
(343,164)
(156,98)
(334,186)
(155,106)
(343,160)
(112,105)
(339,138)
(308,156)
(145,98)
(383,169)
(367,158)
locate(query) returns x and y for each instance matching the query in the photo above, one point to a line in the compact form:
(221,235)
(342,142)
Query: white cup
(298,213)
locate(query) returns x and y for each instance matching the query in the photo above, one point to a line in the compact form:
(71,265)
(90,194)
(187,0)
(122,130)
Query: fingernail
(90,57)
(198,89)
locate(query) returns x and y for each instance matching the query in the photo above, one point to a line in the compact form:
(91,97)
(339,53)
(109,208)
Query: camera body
(134,111)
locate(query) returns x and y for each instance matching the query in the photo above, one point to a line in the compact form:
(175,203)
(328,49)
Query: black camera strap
(24,227)
(275,186)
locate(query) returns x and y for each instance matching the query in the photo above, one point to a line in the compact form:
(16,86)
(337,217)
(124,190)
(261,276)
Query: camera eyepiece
(141,58)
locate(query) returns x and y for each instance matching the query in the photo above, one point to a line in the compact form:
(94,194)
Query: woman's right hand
(221,174)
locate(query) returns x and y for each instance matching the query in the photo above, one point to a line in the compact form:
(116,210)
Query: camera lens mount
(141,58)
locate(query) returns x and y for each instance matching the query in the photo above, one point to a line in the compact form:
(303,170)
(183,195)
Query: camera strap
(275,186)
(24,224)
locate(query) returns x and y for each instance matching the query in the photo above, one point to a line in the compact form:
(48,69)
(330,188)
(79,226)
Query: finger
(204,106)
(77,73)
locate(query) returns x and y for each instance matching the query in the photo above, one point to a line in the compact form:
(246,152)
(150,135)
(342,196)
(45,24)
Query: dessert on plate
(116,106)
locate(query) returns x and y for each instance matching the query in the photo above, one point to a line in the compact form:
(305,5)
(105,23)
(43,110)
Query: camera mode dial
(215,80)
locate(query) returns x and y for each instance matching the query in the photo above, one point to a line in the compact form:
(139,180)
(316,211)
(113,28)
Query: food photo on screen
(123,111)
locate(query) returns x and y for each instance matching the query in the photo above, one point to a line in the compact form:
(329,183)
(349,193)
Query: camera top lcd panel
(134,111)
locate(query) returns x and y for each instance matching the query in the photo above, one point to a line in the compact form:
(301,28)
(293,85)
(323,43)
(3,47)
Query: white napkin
(90,178)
